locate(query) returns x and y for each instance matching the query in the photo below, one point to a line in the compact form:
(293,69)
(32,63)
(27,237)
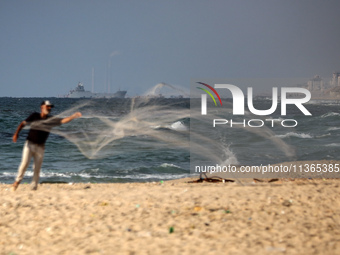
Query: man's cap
(46,102)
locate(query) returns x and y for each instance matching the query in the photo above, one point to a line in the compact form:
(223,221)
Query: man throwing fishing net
(40,127)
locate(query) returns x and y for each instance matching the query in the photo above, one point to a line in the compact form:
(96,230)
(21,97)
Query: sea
(131,140)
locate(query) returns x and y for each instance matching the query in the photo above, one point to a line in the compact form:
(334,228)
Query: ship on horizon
(80,92)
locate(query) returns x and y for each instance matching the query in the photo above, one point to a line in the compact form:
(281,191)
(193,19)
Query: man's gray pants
(37,152)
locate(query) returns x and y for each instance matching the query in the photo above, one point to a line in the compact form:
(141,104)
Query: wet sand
(300,216)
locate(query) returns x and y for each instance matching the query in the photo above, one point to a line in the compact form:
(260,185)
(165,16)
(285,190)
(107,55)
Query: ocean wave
(323,102)
(169,165)
(69,176)
(330,114)
(128,178)
(277,119)
(333,145)
(100,117)
(333,128)
(154,176)
(293,134)
(54,175)
(176,126)
(324,135)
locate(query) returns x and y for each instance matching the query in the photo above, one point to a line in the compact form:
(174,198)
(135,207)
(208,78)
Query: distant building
(316,84)
(336,79)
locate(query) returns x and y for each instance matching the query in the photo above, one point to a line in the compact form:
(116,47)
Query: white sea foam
(178,126)
(277,119)
(139,176)
(293,134)
(169,165)
(229,156)
(330,114)
(324,135)
(333,145)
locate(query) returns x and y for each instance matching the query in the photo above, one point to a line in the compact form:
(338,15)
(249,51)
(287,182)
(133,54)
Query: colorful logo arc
(208,92)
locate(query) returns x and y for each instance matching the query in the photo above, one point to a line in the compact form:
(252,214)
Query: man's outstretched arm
(70,118)
(16,134)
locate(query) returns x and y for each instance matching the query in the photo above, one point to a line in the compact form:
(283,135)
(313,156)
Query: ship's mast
(109,78)
(92,79)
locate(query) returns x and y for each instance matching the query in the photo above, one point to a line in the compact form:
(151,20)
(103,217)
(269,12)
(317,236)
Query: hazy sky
(46,47)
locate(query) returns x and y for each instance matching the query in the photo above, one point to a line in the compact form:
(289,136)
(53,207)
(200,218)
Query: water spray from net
(150,121)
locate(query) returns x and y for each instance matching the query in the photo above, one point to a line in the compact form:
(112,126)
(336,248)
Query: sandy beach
(300,216)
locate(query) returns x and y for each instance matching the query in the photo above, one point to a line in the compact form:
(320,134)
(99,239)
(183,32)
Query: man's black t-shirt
(40,128)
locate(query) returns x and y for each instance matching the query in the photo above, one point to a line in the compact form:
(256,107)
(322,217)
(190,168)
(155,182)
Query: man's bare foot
(15,186)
